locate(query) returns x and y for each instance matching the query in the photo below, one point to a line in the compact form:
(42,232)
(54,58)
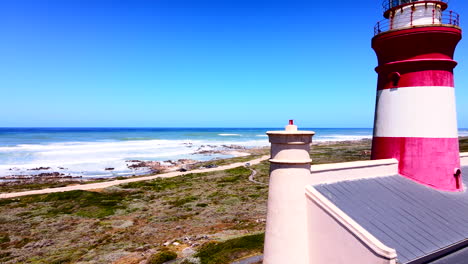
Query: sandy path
(101,185)
(251,177)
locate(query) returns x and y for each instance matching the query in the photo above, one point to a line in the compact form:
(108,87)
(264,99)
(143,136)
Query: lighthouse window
(395,78)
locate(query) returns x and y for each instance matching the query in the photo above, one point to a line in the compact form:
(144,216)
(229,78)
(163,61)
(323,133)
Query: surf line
(102,185)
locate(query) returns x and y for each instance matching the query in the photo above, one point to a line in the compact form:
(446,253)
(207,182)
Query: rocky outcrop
(158,167)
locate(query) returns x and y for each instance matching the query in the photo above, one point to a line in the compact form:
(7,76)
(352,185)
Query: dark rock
(41,168)
(50,174)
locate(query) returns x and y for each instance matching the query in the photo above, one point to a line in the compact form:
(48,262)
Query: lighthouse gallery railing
(448,18)
(389,4)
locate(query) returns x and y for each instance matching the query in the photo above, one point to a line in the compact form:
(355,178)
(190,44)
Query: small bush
(181,201)
(4,256)
(231,201)
(162,257)
(21,243)
(81,203)
(7,201)
(158,184)
(226,252)
(4,238)
(164,184)
(235,174)
(61,260)
(191,260)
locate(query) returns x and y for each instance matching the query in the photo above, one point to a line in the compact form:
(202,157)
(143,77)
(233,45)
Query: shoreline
(137,167)
(182,166)
(243,156)
(159,167)
(107,184)
(141,167)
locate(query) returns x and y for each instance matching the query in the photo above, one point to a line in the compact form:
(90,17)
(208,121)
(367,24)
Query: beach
(84,154)
(96,153)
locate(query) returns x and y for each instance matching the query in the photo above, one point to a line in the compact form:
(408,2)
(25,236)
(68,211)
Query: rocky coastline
(41,174)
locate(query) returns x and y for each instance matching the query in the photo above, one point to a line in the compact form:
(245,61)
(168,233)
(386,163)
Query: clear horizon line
(168,127)
(173,127)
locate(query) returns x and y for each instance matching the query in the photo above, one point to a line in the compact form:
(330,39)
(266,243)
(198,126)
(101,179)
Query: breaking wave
(92,158)
(340,137)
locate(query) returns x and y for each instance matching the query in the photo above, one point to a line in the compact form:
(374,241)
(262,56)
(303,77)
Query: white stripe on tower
(421,111)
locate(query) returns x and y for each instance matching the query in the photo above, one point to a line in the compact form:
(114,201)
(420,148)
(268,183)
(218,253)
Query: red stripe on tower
(415,116)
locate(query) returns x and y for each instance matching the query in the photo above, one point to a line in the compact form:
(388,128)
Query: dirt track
(101,185)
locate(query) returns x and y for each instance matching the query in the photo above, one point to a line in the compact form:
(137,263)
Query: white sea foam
(341,138)
(91,158)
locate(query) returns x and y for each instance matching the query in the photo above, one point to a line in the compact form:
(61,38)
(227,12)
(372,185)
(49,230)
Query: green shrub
(235,174)
(181,201)
(226,252)
(5,256)
(190,260)
(81,203)
(162,257)
(4,238)
(7,201)
(164,184)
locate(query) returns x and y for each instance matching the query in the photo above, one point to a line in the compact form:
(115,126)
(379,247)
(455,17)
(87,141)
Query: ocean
(87,152)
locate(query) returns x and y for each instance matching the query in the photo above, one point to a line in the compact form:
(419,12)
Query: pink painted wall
(428,161)
(331,242)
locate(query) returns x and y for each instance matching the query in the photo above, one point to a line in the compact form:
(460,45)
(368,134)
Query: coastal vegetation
(38,183)
(211,217)
(161,257)
(463,144)
(230,250)
(131,222)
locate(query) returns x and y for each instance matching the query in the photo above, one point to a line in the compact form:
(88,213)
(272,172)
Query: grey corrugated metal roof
(458,257)
(413,219)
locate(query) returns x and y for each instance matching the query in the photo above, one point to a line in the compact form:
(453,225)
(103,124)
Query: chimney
(286,231)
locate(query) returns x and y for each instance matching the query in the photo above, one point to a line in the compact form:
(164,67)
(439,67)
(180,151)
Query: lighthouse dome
(390,4)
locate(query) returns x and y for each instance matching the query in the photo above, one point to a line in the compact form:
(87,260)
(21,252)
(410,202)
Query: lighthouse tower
(415,116)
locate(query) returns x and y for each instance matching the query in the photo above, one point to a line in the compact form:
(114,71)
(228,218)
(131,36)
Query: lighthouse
(415,116)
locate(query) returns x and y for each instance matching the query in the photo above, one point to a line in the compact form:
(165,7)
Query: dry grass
(92,227)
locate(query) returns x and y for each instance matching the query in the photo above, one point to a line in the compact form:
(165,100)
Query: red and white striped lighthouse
(415,116)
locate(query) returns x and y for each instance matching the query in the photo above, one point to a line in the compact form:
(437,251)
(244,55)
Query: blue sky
(194,63)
